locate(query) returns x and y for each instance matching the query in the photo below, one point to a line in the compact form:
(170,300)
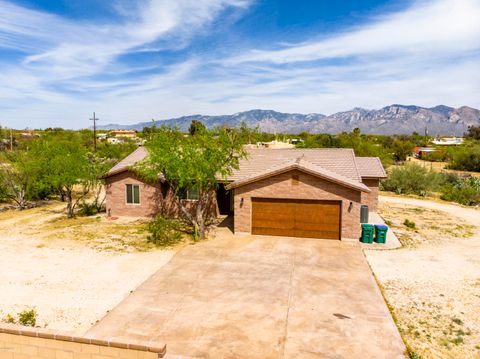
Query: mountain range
(394,119)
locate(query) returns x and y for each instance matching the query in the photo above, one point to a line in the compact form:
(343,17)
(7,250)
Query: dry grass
(49,224)
(432,284)
(429,226)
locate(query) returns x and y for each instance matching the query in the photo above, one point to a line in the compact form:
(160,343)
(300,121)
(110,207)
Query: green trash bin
(367,233)
(380,233)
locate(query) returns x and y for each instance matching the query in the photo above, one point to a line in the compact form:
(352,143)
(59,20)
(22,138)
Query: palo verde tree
(195,162)
(65,166)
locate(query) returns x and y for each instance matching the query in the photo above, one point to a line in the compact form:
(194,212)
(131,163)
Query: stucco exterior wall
(307,187)
(371,199)
(116,204)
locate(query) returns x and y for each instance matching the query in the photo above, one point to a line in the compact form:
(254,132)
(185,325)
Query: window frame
(132,185)
(184,194)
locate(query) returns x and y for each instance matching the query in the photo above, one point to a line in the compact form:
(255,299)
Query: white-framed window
(190,193)
(132,194)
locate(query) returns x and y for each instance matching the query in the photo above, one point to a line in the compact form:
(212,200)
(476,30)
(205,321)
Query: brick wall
(116,204)
(308,187)
(154,199)
(371,199)
(17,342)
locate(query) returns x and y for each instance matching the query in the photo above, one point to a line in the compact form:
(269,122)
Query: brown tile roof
(136,156)
(337,160)
(335,164)
(301,164)
(370,167)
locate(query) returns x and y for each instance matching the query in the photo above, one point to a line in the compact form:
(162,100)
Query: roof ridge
(359,176)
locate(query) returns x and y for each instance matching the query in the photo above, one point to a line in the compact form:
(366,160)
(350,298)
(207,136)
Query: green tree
(249,135)
(465,158)
(196,127)
(18,172)
(402,149)
(473,133)
(193,163)
(65,166)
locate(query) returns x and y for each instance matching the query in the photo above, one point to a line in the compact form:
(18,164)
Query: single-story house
(313,193)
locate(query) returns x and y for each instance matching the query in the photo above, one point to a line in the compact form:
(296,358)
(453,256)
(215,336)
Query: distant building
(419,152)
(29,134)
(275,144)
(452,141)
(114,140)
(123,134)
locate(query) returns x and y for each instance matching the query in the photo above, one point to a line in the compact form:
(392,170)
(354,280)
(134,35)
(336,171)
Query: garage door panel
(316,234)
(273,216)
(316,226)
(273,232)
(295,217)
(274,224)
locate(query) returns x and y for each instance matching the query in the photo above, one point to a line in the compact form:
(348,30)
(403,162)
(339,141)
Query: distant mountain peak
(393,119)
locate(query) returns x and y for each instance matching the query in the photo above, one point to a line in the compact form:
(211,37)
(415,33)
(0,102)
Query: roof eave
(374,177)
(361,187)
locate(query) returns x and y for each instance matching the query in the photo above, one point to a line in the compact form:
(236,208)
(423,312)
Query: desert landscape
(432,283)
(71,271)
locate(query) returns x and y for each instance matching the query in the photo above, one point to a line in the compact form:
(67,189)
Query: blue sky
(134,60)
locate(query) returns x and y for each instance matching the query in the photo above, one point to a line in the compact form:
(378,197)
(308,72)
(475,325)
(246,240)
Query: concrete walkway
(392,242)
(261,297)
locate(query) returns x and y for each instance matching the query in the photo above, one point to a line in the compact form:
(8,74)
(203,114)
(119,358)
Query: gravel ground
(71,282)
(433,282)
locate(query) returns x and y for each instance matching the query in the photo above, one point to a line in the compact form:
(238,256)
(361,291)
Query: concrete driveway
(261,297)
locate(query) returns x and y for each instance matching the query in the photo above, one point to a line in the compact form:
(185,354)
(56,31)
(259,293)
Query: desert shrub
(87,209)
(402,149)
(441,155)
(466,158)
(412,179)
(9,319)
(164,231)
(413,355)
(465,191)
(409,224)
(28,318)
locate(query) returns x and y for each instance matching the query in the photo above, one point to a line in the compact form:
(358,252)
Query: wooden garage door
(296,218)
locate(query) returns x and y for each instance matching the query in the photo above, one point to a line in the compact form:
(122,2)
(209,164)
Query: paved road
(261,297)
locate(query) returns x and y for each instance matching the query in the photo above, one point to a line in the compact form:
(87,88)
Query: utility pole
(94,119)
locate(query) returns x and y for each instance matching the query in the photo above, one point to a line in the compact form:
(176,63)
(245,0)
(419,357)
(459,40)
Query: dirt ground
(71,271)
(433,283)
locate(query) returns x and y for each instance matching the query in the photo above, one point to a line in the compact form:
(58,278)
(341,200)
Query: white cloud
(68,49)
(426,55)
(445,26)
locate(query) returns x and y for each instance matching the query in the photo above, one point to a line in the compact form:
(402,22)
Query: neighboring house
(453,141)
(313,193)
(101,136)
(114,140)
(421,152)
(123,134)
